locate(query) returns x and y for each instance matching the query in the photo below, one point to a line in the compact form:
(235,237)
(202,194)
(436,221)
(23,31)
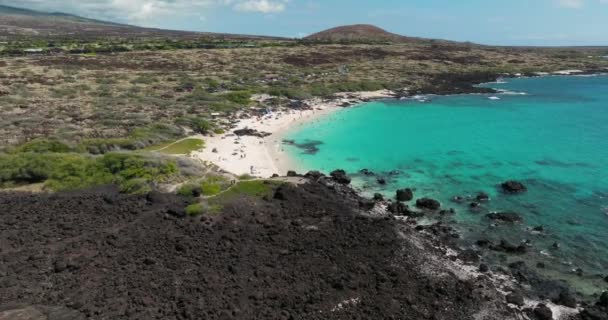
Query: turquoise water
(554,139)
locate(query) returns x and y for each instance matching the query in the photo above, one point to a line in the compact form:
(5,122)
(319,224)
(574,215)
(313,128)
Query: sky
(499,22)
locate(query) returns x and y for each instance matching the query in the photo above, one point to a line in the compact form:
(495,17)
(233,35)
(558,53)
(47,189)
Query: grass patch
(182,147)
(252,188)
(197,209)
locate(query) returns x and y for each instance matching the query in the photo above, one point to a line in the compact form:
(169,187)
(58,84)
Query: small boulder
(516,299)
(366,204)
(279,194)
(542,312)
(603,302)
(314,175)
(458,199)
(508,216)
(366,172)
(483,197)
(378,197)
(340,177)
(513,187)
(405,195)
(566,299)
(381,181)
(426,203)
(398,208)
(292,173)
(606,279)
(483,268)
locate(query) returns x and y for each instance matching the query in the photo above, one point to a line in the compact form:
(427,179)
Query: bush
(194,209)
(68,171)
(44,145)
(239,97)
(189,190)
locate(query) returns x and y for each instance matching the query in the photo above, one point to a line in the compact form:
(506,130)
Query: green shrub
(134,173)
(194,209)
(44,145)
(239,97)
(189,190)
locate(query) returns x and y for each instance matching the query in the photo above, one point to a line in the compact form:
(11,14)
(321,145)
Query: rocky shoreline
(315,250)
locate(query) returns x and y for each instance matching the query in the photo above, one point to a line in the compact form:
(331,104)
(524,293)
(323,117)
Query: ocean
(550,133)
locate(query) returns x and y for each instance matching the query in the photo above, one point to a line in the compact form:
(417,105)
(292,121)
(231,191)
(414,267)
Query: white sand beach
(263,157)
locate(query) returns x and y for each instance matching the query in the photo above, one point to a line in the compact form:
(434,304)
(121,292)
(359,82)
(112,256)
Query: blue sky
(506,22)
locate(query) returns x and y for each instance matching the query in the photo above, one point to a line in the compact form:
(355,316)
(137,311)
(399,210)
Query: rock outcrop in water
(513,187)
(340,177)
(429,204)
(508,216)
(405,195)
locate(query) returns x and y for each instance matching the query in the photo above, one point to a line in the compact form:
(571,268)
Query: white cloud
(575,4)
(147,12)
(571,3)
(264,6)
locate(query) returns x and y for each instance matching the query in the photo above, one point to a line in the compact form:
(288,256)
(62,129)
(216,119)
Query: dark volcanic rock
(511,217)
(566,298)
(542,312)
(513,187)
(381,181)
(594,313)
(340,177)
(482,197)
(277,259)
(378,197)
(483,268)
(507,247)
(427,203)
(398,207)
(516,299)
(251,132)
(292,173)
(603,301)
(315,175)
(405,195)
(366,204)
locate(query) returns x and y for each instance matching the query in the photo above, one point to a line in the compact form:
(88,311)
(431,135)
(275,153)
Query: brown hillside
(358,32)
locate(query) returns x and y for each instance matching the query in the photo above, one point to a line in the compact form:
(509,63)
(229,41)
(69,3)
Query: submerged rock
(405,195)
(508,216)
(483,197)
(378,197)
(340,177)
(513,187)
(427,203)
(507,247)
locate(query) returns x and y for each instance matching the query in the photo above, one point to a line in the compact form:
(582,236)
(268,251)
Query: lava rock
(378,197)
(483,197)
(458,199)
(405,194)
(483,268)
(366,204)
(314,175)
(509,216)
(279,194)
(398,208)
(251,132)
(566,298)
(381,181)
(426,203)
(292,173)
(513,187)
(516,299)
(366,172)
(542,312)
(538,229)
(507,247)
(340,177)
(603,302)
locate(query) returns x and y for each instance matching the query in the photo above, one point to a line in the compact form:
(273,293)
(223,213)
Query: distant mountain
(18,22)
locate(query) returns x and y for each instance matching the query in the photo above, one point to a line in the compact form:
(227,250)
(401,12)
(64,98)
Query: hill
(18,22)
(358,33)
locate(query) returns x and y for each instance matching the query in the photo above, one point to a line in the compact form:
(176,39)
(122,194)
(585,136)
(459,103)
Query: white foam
(494,98)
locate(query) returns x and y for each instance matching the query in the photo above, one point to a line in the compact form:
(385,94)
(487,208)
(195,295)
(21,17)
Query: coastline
(261,154)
